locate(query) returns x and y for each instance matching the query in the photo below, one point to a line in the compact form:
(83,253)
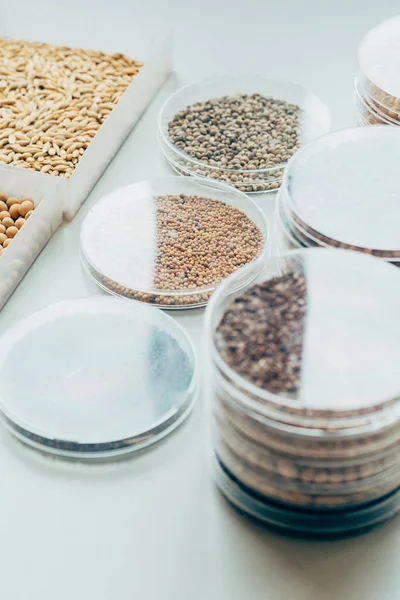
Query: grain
(199,242)
(235,138)
(46,92)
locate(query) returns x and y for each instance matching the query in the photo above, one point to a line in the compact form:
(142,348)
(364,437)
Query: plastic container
(314,120)
(342,191)
(123,377)
(23,20)
(378,79)
(314,448)
(129,240)
(34,235)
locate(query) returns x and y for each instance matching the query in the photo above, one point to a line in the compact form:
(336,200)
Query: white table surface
(155,527)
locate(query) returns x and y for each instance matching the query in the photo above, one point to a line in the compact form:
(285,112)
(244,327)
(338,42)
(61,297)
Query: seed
(235,134)
(28,214)
(21,221)
(7,242)
(4,214)
(3,238)
(14,211)
(39,82)
(3,207)
(12,231)
(2,228)
(8,222)
(199,242)
(25,207)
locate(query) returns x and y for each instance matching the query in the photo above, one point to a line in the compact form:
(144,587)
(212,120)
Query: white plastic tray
(36,232)
(21,19)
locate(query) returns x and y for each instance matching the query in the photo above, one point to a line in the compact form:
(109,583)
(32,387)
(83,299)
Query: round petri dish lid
(130,237)
(102,377)
(340,332)
(345,187)
(379,56)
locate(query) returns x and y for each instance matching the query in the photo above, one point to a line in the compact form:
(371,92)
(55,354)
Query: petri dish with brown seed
(342,191)
(239,130)
(171,241)
(103,377)
(378,79)
(304,384)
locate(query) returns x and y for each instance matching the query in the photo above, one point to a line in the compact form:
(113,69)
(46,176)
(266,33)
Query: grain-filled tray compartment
(31,238)
(150,49)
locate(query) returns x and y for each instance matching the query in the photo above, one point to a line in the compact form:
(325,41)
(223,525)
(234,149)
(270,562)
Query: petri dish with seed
(171,241)
(103,377)
(342,191)
(239,130)
(304,384)
(377,84)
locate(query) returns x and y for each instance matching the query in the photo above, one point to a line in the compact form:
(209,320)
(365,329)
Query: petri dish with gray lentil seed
(171,241)
(343,191)
(239,130)
(305,387)
(103,377)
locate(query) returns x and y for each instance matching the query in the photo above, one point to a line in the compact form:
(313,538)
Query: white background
(154,527)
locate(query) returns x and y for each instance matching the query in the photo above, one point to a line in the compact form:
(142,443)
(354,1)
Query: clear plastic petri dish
(171,241)
(379,67)
(330,191)
(367,111)
(307,522)
(303,379)
(272,143)
(103,377)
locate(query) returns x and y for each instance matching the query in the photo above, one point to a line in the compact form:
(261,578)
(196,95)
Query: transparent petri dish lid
(170,241)
(370,109)
(331,360)
(102,377)
(312,120)
(344,189)
(379,56)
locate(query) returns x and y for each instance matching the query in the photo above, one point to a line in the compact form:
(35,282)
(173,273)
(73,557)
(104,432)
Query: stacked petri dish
(171,241)
(377,84)
(122,376)
(342,191)
(239,130)
(305,392)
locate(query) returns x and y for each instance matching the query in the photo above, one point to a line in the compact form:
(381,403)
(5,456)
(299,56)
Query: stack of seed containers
(304,387)
(377,85)
(342,191)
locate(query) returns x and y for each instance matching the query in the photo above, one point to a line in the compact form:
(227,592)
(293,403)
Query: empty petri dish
(171,241)
(102,377)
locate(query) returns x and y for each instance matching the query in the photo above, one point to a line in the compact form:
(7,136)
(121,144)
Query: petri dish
(102,377)
(342,191)
(171,241)
(343,344)
(306,522)
(379,63)
(310,118)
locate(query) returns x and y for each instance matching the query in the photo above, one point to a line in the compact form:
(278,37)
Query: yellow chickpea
(12,231)
(14,211)
(8,222)
(25,207)
(19,222)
